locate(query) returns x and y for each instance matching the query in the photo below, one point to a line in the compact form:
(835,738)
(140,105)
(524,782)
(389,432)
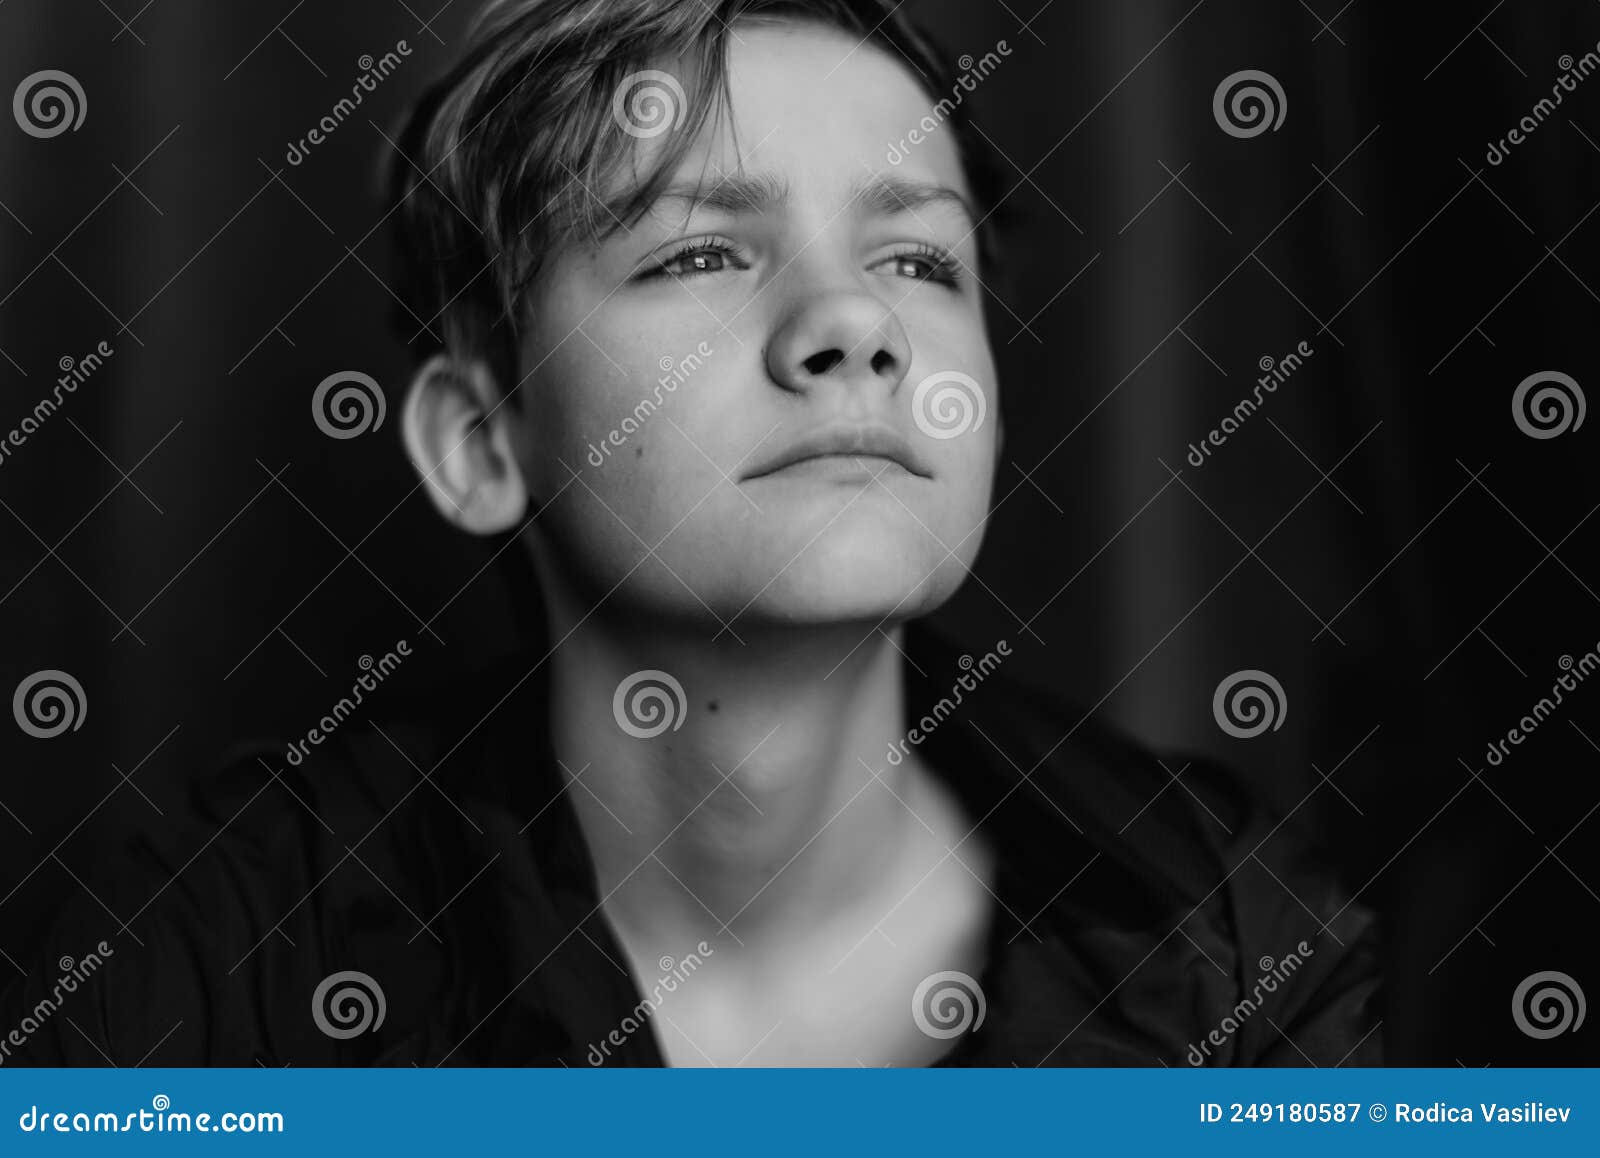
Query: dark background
(1381,537)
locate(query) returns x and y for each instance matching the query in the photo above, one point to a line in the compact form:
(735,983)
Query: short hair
(508,153)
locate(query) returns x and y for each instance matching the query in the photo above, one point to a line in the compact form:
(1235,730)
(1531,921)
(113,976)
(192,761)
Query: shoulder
(1058,775)
(276,886)
(1191,923)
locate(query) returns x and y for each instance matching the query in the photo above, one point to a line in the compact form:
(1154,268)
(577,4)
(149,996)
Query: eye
(706,255)
(926,263)
(699,261)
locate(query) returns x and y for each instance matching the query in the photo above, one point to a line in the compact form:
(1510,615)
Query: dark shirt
(1140,920)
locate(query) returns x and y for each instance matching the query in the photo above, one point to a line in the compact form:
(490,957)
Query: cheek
(967,466)
(612,388)
(615,448)
(954,415)
(586,414)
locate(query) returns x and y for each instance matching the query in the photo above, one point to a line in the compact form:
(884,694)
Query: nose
(845,336)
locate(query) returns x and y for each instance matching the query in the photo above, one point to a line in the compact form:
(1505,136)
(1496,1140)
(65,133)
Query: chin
(864,574)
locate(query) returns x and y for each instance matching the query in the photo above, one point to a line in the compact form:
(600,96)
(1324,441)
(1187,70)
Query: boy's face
(823,302)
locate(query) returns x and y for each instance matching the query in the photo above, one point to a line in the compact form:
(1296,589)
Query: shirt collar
(1038,781)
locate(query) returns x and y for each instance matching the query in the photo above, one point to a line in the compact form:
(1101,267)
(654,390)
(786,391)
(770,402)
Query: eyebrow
(885,194)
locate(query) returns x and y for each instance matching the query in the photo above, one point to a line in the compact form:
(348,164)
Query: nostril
(823,362)
(881,361)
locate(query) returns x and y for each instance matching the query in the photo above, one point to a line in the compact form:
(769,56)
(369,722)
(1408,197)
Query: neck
(767,808)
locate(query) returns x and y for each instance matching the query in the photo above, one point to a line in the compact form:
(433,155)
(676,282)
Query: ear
(458,435)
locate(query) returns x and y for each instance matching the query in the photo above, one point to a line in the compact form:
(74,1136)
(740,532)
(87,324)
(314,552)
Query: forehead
(818,111)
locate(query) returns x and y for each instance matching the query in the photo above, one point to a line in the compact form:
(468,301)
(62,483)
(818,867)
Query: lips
(865,441)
